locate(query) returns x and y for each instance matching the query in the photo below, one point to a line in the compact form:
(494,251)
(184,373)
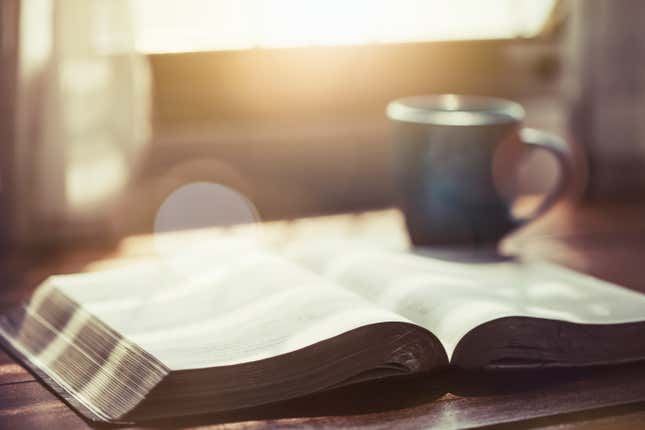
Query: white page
(245,306)
(450,298)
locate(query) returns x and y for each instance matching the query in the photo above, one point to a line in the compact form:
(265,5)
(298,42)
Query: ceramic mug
(446,147)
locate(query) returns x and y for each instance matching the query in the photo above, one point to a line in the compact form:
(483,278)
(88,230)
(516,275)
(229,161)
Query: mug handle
(559,148)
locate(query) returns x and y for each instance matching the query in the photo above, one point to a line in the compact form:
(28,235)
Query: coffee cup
(446,149)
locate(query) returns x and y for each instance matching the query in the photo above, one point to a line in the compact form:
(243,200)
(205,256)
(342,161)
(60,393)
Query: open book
(253,327)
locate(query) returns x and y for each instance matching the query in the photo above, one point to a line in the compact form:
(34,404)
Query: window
(207,25)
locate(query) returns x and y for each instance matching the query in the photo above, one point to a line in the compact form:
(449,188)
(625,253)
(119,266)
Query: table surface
(607,241)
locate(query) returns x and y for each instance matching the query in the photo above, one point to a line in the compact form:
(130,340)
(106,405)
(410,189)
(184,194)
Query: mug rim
(455,110)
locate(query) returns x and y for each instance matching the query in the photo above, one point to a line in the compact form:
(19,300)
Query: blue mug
(446,147)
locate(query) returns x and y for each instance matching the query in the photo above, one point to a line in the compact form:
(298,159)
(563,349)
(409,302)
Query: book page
(452,298)
(244,304)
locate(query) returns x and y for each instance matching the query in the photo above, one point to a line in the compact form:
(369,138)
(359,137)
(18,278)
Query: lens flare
(192,226)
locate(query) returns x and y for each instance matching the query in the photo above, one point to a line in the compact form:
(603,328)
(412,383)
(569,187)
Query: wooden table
(606,241)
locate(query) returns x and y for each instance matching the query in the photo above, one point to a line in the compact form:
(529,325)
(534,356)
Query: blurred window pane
(199,25)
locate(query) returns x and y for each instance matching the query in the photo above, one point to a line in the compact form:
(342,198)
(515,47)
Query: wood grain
(11,372)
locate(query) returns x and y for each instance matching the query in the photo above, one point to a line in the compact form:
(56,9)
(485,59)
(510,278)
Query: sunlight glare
(194,25)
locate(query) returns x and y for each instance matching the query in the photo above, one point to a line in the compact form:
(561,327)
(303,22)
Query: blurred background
(107,107)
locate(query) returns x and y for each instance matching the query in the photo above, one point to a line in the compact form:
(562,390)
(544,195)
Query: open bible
(254,326)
